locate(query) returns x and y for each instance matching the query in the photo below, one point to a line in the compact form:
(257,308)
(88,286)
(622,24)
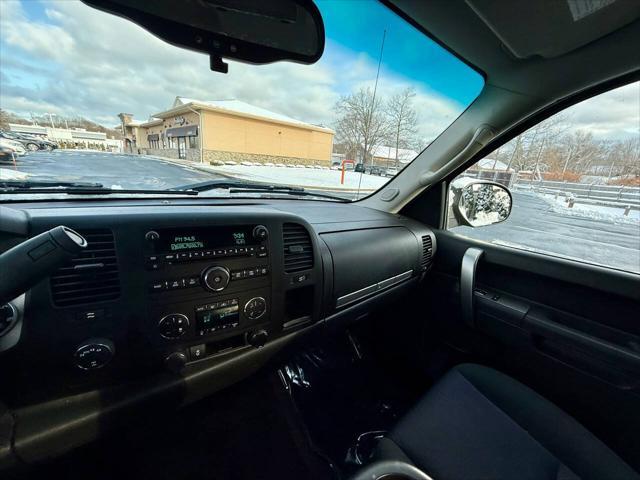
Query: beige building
(227,130)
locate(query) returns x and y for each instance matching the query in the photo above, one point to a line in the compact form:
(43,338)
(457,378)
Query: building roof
(405,155)
(492,164)
(238,106)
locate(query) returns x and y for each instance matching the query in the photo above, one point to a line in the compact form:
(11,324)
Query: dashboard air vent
(92,276)
(427,252)
(298,252)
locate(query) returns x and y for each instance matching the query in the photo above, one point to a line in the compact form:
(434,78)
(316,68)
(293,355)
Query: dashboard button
(157,286)
(193,282)
(170,257)
(197,351)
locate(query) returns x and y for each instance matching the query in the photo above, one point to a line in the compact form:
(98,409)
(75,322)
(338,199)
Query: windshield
(88,97)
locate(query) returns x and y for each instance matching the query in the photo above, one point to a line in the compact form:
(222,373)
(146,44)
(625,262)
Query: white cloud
(611,115)
(98,65)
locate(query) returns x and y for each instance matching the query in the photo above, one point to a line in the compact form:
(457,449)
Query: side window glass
(574,184)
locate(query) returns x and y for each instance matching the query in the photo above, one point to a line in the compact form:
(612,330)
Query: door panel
(570,330)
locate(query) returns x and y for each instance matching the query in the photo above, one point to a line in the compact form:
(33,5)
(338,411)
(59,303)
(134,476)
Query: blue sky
(407,51)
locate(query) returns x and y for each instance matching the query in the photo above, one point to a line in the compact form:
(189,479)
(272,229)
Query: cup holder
(390,470)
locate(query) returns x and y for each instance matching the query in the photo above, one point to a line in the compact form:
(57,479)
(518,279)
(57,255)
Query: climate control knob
(255,308)
(173,325)
(94,353)
(216,278)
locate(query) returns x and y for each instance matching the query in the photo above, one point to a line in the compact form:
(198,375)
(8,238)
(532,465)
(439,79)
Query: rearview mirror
(253,31)
(479,203)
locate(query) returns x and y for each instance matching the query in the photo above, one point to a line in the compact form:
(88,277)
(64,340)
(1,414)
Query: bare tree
(403,120)
(4,119)
(362,124)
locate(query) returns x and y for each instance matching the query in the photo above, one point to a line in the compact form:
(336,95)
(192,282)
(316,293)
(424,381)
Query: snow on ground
(7,174)
(327,180)
(597,212)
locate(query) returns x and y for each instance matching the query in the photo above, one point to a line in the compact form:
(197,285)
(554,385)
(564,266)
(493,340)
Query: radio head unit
(175,240)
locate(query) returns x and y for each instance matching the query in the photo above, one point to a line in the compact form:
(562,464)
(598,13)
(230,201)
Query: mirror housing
(251,31)
(477,203)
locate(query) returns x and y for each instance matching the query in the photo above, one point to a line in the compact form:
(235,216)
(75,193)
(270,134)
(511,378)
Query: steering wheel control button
(255,308)
(216,278)
(173,325)
(94,354)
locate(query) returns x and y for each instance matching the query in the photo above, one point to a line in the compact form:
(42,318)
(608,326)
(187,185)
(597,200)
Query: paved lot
(126,171)
(534,223)
(540,226)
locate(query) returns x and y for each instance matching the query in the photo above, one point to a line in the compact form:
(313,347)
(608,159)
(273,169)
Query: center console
(205,285)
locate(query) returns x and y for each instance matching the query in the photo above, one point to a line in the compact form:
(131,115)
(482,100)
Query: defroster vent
(427,252)
(298,251)
(92,276)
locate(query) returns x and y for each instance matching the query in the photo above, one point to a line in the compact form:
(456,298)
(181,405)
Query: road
(125,171)
(533,224)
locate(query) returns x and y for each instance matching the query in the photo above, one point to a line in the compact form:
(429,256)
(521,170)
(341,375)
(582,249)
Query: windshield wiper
(239,186)
(79,188)
(46,184)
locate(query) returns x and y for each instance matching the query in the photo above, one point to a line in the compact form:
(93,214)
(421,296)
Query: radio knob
(260,232)
(216,278)
(151,236)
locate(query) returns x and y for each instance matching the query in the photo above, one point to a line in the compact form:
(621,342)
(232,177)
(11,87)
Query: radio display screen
(180,239)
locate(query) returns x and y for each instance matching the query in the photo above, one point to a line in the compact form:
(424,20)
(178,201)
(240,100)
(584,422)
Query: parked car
(29,142)
(360,168)
(377,171)
(391,172)
(15,146)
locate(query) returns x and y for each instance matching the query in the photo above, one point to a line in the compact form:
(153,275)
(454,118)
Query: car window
(575,183)
(122,108)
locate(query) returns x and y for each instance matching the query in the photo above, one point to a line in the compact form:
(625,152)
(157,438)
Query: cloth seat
(479,424)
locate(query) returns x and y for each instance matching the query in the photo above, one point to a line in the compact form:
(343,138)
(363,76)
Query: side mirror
(478,203)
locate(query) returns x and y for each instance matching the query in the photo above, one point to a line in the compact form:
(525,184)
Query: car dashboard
(173,300)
